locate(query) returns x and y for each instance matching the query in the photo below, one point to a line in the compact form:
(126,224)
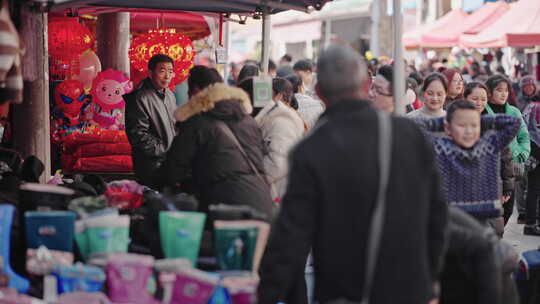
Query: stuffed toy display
(69,98)
(108,104)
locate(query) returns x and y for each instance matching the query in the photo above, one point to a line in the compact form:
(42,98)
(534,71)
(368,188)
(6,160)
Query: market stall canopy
(192,25)
(448,36)
(519,27)
(216,6)
(485,16)
(413,39)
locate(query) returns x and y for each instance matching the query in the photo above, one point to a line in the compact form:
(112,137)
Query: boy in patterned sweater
(469,158)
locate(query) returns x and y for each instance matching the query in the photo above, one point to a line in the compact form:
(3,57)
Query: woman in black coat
(203,155)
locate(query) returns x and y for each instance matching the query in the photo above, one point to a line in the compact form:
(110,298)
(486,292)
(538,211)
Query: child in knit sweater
(469,158)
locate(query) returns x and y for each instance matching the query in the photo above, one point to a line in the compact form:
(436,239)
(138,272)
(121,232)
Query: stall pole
(227,67)
(113,41)
(399,67)
(31,119)
(327,32)
(375,28)
(266,25)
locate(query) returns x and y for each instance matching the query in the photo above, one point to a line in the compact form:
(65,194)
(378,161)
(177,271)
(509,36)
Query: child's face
(464,129)
(434,96)
(500,94)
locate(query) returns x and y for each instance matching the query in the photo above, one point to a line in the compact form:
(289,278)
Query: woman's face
(479,98)
(456,86)
(529,89)
(500,94)
(434,96)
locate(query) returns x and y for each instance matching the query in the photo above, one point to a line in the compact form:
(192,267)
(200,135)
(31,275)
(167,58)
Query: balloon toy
(108,103)
(69,98)
(89,66)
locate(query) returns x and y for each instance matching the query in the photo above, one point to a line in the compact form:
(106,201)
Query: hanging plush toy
(107,90)
(70,98)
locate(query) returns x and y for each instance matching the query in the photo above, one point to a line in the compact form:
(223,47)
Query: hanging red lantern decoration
(68,38)
(167,42)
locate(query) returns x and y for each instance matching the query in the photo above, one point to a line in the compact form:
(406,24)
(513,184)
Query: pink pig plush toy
(107,101)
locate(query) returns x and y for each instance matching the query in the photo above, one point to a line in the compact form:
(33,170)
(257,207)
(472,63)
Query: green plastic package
(235,247)
(181,234)
(81,239)
(107,234)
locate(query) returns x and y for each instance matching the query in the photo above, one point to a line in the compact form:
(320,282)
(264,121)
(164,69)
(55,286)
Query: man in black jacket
(149,118)
(331,194)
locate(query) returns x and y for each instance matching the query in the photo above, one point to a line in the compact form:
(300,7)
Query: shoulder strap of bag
(228,132)
(377,220)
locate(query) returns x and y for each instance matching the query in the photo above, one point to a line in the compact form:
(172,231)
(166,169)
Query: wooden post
(31,119)
(113,41)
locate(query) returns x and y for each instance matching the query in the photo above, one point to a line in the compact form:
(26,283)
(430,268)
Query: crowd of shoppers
(306,160)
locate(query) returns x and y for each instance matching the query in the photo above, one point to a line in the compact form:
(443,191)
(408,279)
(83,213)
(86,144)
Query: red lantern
(68,38)
(163,41)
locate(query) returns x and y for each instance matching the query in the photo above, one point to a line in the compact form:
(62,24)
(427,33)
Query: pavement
(513,233)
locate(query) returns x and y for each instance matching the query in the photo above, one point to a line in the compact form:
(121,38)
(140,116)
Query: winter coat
(309,109)
(281,128)
(471,274)
(202,153)
(521,144)
(149,128)
(332,189)
(507,169)
(531,116)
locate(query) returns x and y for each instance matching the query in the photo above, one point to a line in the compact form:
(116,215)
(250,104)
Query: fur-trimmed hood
(205,101)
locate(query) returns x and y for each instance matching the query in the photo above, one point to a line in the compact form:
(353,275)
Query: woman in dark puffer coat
(204,155)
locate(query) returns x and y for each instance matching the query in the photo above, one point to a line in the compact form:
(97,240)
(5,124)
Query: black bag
(144,225)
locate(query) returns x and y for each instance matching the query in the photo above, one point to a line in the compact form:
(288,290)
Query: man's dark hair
(248,70)
(387,72)
(287,58)
(271,65)
(201,77)
(303,65)
(153,62)
(461,104)
(418,77)
(469,88)
(435,77)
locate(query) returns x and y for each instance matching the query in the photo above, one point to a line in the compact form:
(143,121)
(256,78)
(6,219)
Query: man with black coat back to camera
(149,118)
(329,202)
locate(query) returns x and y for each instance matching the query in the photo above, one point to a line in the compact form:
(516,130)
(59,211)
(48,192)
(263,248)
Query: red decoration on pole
(68,38)
(163,41)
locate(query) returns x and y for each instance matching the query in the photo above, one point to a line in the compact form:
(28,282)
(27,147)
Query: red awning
(413,39)
(192,25)
(448,36)
(485,17)
(520,27)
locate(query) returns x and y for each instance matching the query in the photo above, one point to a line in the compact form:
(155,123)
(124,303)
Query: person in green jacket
(499,89)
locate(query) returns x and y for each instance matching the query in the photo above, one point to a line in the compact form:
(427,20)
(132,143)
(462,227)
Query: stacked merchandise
(88,129)
(97,150)
(80,251)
